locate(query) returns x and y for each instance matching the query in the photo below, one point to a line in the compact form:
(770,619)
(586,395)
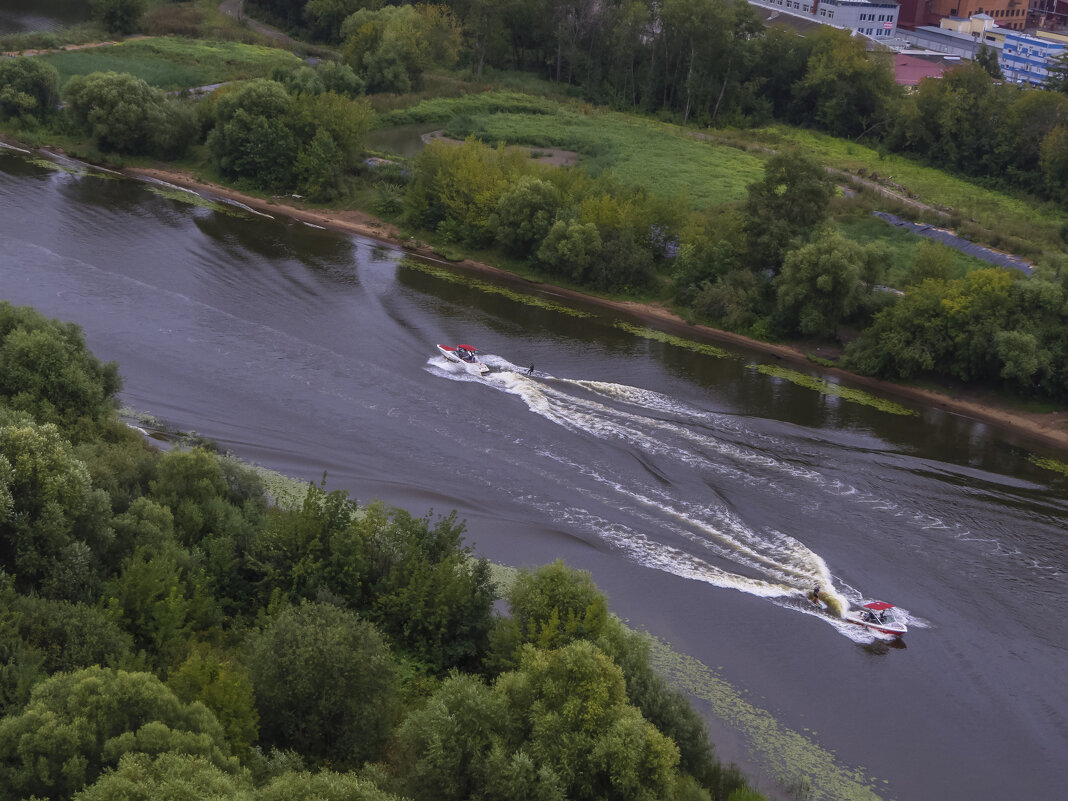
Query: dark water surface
(20,16)
(705,496)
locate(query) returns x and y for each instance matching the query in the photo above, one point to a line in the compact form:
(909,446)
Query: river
(22,16)
(705,490)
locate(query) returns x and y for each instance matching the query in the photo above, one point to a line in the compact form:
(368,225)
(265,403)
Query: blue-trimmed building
(1025,59)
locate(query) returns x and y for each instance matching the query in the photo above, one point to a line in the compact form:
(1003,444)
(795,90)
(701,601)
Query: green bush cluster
(166,633)
(590,232)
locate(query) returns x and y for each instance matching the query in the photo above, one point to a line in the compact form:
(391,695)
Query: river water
(21,16)
(705,495)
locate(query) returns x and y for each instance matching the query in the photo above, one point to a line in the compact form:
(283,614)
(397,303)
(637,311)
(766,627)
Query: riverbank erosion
(1048,427)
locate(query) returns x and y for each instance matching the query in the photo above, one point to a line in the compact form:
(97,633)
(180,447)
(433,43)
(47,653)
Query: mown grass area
(900,246)
(1024,226)
(174,63)
(660,158)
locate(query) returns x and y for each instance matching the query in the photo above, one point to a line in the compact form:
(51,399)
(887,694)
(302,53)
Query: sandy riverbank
(1049,428)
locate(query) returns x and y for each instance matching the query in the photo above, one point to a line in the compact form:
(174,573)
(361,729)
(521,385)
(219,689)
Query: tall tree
(846,88)
(77,725)
(820,284)
(987,58)
(325,684)
(785,207)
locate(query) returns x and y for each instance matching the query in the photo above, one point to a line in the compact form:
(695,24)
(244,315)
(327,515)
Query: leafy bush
(325,684)
(28,87)
(123,114)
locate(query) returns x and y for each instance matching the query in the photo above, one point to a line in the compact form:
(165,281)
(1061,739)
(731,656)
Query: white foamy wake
(698,540)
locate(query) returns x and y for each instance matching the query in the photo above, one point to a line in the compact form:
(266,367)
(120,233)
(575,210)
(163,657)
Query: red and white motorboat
(878,616)
(466,356)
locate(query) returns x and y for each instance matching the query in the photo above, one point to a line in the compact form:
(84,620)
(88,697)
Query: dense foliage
(28,88)
(167,633)
(123,114)
(712,62)
(770,266)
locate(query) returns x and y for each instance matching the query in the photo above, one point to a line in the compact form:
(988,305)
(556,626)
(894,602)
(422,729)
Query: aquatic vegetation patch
(794,759)
(825,387)
(1049,464)
(491,289)
(69,167)
(284,492)
(671,339)
(192,199)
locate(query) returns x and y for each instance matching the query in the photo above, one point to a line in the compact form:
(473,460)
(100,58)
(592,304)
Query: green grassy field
(173,63)
(901,247)
(1015,224)
(663,159)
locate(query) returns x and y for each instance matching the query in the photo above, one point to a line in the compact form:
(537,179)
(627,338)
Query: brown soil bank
(1050,428)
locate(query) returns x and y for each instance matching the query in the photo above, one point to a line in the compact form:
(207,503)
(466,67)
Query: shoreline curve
(1048,428)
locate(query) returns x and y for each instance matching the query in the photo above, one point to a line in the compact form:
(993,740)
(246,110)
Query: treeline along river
(706,491)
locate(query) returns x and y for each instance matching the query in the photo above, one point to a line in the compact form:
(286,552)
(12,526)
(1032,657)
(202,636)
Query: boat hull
(474,367)
(893,629)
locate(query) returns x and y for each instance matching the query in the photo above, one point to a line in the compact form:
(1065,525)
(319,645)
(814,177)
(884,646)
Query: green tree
(1023,359)
(28,86)
(1057,78)
(167,777)
(322,786)
(907,338)
(70,636)
(443,746)
(324,17)
(250,139)
(160,598)
(846,89)
(224,687)
(47,371)
(737,300)
(56,523)
(1053,163)
(556,604)
(76,725)
(987,58)
(391,47)
(933,260)
(205,500)
(785,207)
(325,684)
(124,114)
(340,78)
(118,16)
(431,596)
(21,665)
(559,726)
(524,213)
(571,250)
(820,285)
(456,188)
(569,707)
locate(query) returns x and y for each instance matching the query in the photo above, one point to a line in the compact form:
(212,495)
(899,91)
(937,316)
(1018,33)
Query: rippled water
(705,496)
(20,16)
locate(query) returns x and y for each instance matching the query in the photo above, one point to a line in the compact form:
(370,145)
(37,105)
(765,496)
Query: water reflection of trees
(243,234)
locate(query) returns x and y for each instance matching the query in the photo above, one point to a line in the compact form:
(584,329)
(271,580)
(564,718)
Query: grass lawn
(1011,223)
(663,159)
(174,63)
